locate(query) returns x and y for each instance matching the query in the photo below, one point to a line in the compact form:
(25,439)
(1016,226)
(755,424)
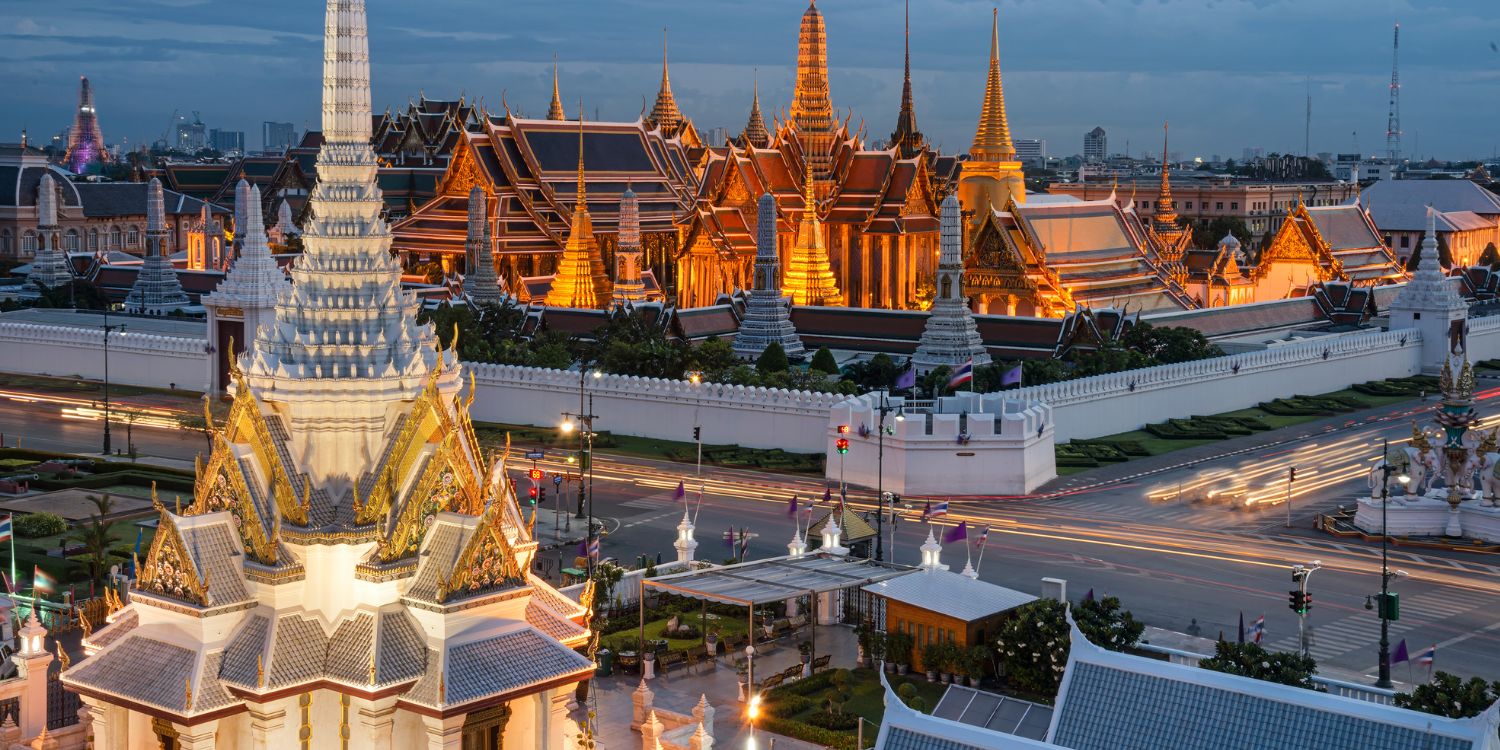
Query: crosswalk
(1361,630)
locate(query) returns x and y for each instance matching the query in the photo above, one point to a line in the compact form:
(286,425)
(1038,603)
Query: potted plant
(711,642)
(876,650)
(946,661)
(976,657)
(863,635)
(901,649)
(932,659)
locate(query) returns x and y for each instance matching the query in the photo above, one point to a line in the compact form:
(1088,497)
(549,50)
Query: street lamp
(1301,601)
(570,423)
(884,408)
(107,328)
(1388,608)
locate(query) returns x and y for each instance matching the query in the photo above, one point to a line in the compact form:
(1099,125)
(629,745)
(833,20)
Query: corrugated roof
(951,594)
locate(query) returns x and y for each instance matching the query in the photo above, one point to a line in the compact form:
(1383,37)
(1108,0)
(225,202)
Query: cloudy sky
(1227,73)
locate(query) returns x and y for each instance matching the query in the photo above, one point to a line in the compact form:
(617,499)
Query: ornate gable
(463,172)
(447,483)
(169,569)
(247,425)
(487,562)
(222,486)
(1298,241)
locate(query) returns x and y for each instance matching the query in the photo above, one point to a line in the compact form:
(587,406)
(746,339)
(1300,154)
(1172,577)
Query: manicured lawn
(866,699)
(671,450)
(729,628)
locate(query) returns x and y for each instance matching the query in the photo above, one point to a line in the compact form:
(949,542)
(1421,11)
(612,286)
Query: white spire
(480,283)
(1429,289)
(767,318)
(932,553)
(254,280)
(950,336)
(46,202)
(628,285)
(241,198)
(49,267)
(156,290)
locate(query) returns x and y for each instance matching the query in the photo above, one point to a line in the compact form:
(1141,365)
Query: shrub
(803,731)
(839,722)
(1250,660)
(1447,695)
(824,362)
(773,359)
(35,525)
(786,707)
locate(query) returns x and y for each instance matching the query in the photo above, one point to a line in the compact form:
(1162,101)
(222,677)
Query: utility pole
(1389,603)
(107,329)
(1300,600)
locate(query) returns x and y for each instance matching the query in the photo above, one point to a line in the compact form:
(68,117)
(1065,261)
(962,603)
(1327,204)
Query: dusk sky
(1227,73)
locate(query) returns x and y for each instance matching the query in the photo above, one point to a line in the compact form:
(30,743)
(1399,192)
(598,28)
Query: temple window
(1234,206)
(5,241)
(1406,240)
(1219,205)
(134,237)
(93,240)
(28,243)
(71,241)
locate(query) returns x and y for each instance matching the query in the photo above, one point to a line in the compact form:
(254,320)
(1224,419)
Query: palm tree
(96,537)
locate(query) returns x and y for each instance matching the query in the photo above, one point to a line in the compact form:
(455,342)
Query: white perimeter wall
(650,407)
(1124,401)
(74,352)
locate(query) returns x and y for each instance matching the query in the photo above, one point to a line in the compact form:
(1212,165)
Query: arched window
(70,241)
(115,237)
(5,245)
(94,240)
(28,243)
(133,240)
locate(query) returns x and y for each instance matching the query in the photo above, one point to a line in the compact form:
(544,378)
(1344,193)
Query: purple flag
(1401,653)
(957,533)
(680,493)
(583,548)
(827,494)
(729,538)
(1242,627)
(1089,596)
(907,380)
(791,508)
(1011,377)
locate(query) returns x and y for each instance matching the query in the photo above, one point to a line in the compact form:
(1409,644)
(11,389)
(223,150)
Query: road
(1121,531)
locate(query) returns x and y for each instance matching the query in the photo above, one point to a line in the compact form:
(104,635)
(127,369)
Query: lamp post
(586,440)
(1387,610)
(107,328)
(884,408)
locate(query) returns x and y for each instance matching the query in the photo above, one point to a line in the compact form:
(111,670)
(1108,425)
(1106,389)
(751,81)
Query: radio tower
(1393,120)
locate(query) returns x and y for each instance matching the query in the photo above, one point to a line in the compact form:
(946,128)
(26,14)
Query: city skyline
(1068,68)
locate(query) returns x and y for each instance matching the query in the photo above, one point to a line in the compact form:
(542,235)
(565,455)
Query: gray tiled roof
(123,624)
(239,663)
(297,652)
(208,692)
(1114,709)
(110,199)
(497,665)
(141,669)
(445,543)
(551,597)
(403,650)
(1401,205)
(215,553)
(544,619)
(349,649)
(901,738)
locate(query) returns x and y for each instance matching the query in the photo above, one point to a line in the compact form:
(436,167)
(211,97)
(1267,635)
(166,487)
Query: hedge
(803,731)
(35,525)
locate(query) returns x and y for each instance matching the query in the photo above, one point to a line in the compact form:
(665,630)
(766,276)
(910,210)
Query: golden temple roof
(755,129)
(1166,214)
(812,109)
(992,140)
(809,275)
(580,280)
(555,112)
(665,114)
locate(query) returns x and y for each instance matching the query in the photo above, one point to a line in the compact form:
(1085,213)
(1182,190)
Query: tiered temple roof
(156,290)
(766,318)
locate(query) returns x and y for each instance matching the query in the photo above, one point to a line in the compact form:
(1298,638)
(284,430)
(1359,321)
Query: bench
(821,662)
(771,682)
(671,659)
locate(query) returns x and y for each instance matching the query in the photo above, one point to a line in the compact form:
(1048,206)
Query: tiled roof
(239,663)
(544,619)
(141,669)
(349,649)
(217,556)
(516,660)
(442,546)
(1401,205)
(123,624)
(103,200)
(852,526)
(403,650)
(297,652)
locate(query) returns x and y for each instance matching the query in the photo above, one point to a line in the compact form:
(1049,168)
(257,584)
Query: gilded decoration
(247,425)
(447,484)
(169,570)
(428,417)
(222,486)
(917,203)
(463,174)
(487,561)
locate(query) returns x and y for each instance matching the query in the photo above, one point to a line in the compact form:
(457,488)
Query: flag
(827,494)
(1258,628)
(1011,377)
(941,509)
(907,380)
(583,548)
(1426,656)
(957,533)
(680,493)
(1242,627)
(984,536)
(5,531)
(791,508)
(1401,653)
(1089,596)
(927,510)
(41,583)
(729,539)
(744,543)
(964,374)
(594,548)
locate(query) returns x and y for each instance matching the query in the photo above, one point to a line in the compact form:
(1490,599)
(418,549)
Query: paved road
(1172,561)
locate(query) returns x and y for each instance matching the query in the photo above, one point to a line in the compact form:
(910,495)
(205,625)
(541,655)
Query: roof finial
(555,112)
(665,114)
(1166,214)
(992,139)
(583,201)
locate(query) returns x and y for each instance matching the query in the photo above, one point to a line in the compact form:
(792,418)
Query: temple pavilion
(352,569)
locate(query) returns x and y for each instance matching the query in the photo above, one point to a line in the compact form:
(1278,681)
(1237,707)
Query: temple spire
(809,276)
(766,317)
(907,137)
(755,130)
(812,110)
(480,283)
(628,286)
(157,290)
(1166,215)
(992,140)
(49,267)
(950,336)
(555,112)
(580,280)
(665,114)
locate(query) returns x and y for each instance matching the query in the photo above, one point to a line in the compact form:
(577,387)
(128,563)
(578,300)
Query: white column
(198,736)
(444,733)
(109,725)
(378,719)
(685,543)
(264,724)
(31,665)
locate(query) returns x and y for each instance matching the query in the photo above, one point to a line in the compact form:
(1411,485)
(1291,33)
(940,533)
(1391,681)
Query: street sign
(535,455)
(557,479)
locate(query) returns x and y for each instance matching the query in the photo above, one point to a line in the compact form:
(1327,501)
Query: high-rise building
(1031,151)
(190,136)
(277,136)
(1095,145)
(85,141)
(227,141)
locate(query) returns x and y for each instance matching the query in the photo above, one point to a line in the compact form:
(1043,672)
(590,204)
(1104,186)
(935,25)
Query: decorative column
(795,548)
(685,543)
(32,662)
(378,718)
(445,733)
(107,726)
(642,701)
(198,736)
(265,724)
(651,730)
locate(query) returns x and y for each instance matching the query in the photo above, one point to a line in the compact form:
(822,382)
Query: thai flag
(941,509)
(964,374)
(984,536)
(5,529)
(41,583)
(594,548)
(1426,656)
(1258,629)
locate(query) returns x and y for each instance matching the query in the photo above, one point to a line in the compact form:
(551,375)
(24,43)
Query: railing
(1353,690)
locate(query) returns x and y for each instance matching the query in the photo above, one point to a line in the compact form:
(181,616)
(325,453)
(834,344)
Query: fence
(140,359)
(1353,690)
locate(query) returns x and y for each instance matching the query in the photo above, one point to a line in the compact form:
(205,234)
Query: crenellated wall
(141,359)
(752,417)
(1123,401)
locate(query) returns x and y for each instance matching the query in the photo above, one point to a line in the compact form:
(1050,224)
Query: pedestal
(1455,526)
(198,736)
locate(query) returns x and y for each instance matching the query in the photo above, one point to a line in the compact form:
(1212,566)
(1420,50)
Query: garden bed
(800,709)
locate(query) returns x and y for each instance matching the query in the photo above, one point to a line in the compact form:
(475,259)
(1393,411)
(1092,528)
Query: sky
(1227,74)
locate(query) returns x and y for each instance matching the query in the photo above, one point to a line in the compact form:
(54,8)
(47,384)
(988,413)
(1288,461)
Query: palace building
(352,569)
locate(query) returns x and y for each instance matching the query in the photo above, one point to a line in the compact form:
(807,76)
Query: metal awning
(777,578)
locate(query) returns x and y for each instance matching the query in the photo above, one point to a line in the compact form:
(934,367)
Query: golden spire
(809,276)
(992,139)
(907,138)
(1166,216)
(555,112)
(665,114)
(812,110)
(755,130)
(580,280)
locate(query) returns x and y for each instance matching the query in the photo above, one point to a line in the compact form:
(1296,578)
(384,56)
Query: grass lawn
(866,699)
(31,552)
(729,629)
(671,450)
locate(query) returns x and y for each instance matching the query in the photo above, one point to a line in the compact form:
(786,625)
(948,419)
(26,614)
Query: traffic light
(1297,601)
(1291,474)
(1307,602)
(533,492)
(697,434)
(842,444)
(541,496)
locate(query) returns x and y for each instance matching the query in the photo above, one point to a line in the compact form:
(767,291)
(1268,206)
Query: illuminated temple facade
(352,569)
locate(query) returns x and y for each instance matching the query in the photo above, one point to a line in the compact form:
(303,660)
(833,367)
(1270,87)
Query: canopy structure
(777,578)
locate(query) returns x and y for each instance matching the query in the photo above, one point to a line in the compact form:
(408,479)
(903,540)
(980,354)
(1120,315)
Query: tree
(875,373)
(1040,371)
(712,358)
(1250,660)
(96,537)
(1206,234)
(1033,646)
(1111,357)
(823,360)
(1447,695)
(773,359)
(1489,256)
(1107,624)
(1169,344)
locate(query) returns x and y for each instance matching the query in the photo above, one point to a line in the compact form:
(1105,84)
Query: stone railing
(1123,401)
